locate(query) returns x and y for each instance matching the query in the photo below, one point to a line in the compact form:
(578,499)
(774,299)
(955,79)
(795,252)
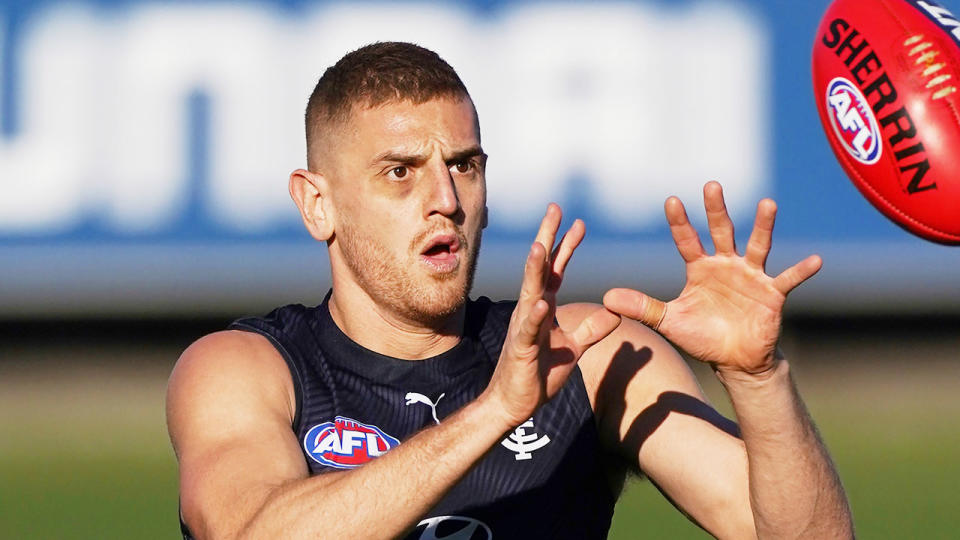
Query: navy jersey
(545,479)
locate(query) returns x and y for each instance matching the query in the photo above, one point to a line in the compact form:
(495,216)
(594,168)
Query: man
(399,407)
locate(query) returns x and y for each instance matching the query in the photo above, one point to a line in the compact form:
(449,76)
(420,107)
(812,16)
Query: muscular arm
(652,412)
(775,482)
(794,488)
(243,475)
(729,315)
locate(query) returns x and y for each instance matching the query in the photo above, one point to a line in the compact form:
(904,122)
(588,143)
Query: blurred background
(144,152)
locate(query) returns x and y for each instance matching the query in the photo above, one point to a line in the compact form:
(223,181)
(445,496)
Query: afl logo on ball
(853,121)
(346,443)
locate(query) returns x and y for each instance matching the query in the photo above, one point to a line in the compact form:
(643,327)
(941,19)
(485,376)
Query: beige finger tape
(654,312)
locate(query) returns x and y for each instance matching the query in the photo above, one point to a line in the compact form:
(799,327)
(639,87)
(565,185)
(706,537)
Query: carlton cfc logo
(346,443)
(853,121)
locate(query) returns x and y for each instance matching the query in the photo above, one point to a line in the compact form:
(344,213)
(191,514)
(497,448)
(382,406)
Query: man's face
(410,197)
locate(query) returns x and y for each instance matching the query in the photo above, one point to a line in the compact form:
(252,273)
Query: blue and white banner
(145,146)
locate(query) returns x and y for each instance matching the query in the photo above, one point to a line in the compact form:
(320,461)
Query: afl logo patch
(346,443)
(853,122)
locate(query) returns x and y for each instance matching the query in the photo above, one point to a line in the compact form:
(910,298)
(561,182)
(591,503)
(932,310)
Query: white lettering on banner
(639,102)
(642,103)
(43,167)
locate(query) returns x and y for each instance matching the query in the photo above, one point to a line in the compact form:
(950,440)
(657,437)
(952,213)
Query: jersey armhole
(291,366)
(580,392)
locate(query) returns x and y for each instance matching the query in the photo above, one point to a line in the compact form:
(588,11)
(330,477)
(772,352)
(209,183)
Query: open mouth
(438,250)
(441,252)
(444,244)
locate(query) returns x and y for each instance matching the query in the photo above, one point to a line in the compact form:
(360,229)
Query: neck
(381,330)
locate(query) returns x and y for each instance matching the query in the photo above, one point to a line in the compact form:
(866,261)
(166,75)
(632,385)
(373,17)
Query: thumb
(594,327)
(636,305)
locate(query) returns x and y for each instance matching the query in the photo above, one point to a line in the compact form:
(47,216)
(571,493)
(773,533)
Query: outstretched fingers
(549,225)
(758,247)
(636,305)
(718,220)
(684,235)
(797,274)
(532,309)
(536,271)
(563,252)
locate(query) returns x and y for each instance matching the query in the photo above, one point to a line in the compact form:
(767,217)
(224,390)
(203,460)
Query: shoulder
(227,373)
(232,352)
(280,320)
(632,364)
(229,413)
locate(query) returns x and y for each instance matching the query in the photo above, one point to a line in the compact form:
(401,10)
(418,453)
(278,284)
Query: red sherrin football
(886,79)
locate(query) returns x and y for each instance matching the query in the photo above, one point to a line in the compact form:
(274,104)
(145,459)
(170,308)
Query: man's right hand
(538,355)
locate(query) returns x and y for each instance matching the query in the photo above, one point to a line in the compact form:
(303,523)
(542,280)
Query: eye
(398,172)
(463,166)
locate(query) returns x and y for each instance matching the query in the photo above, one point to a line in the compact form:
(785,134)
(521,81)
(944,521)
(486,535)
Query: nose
(442,198)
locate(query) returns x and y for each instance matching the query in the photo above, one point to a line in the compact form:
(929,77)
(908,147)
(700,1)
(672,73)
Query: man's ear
(311,192)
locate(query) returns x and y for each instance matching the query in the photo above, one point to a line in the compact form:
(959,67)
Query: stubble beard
(402,286)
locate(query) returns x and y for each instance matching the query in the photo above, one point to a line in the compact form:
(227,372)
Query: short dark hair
(376,74)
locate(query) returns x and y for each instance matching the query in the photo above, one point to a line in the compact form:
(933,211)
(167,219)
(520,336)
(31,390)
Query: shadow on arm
(626,364)
(651,418)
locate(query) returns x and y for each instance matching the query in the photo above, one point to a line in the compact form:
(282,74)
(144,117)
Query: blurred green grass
(895,446)
(84,453)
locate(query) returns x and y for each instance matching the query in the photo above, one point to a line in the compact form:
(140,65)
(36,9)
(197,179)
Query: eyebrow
(394,156)
(465,154)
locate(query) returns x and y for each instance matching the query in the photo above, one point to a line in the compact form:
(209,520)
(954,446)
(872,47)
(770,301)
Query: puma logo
(414,397)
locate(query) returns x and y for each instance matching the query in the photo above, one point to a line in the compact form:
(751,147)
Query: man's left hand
(729,312)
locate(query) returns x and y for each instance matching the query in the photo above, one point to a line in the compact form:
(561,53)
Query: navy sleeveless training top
(546,479)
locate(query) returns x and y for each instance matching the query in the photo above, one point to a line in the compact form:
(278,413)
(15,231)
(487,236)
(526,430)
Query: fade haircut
(376,74)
